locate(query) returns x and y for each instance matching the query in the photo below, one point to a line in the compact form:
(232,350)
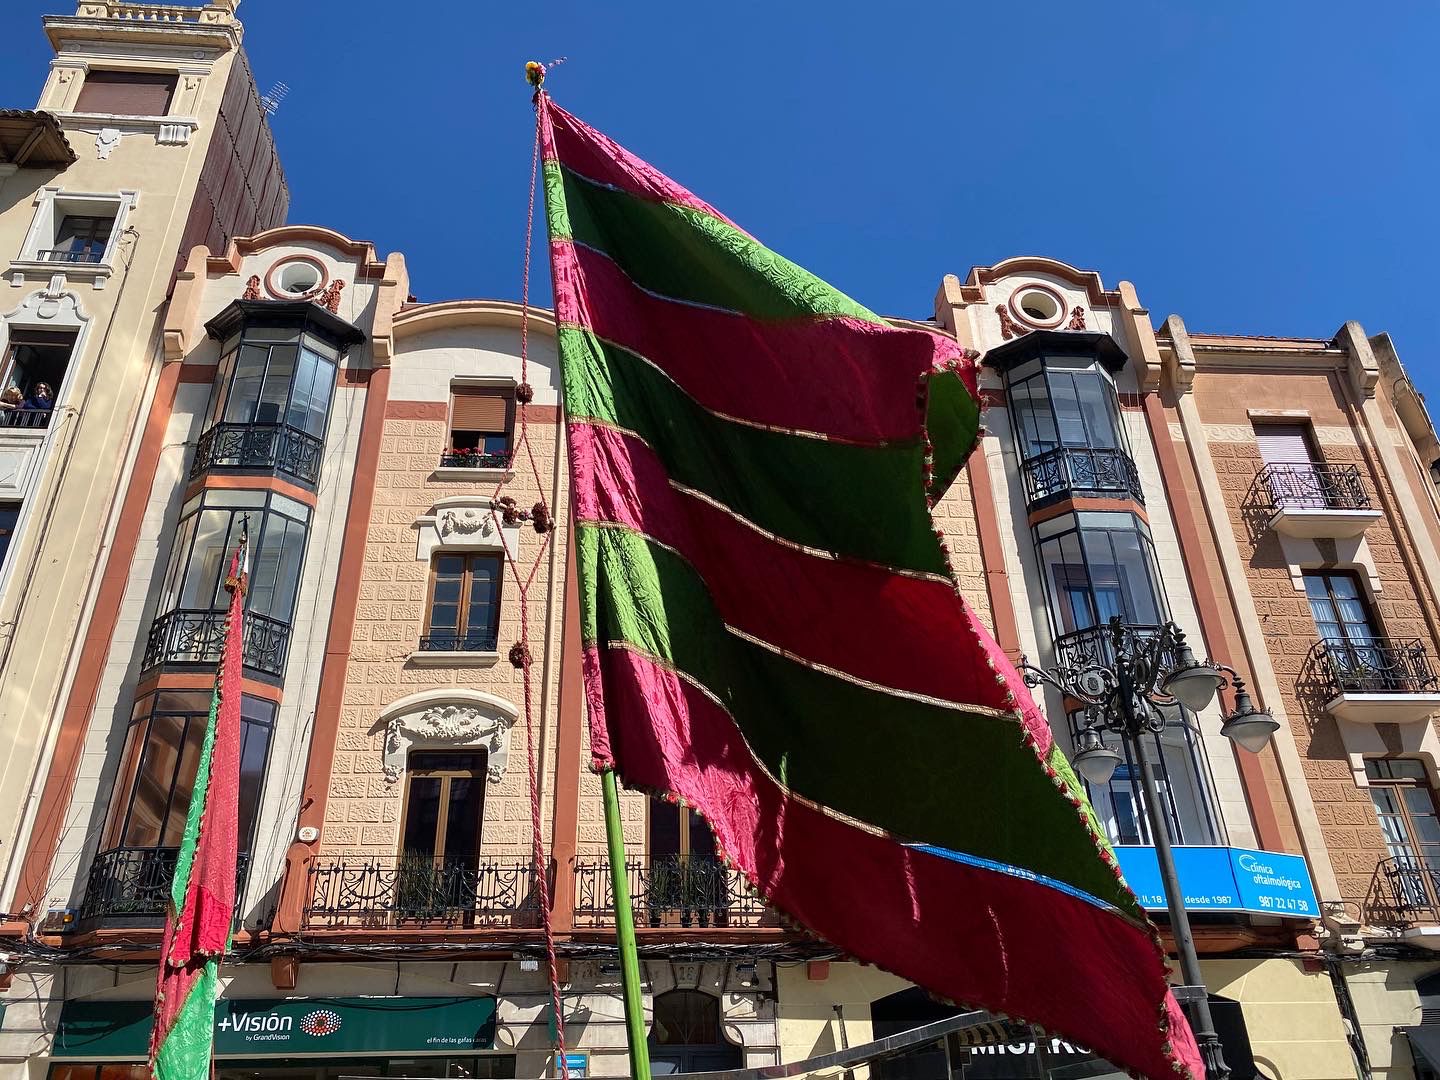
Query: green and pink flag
(202,896)
(773,632)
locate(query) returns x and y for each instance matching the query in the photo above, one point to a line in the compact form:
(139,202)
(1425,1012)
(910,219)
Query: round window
(1038,305)
(295,279)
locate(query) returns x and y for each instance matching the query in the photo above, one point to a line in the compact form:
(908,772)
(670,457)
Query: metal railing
(1081,469)
(259,446)
(481,639)
(1404,890)
(87,256)
(670,890)
(372,891)
(475,459)
(1095,647)
(134,883)
(1377,666)
(19,417)
(1314,486)
(190,636)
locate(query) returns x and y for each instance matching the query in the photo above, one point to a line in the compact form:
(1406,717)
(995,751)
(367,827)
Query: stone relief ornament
(454,725)
(252,288)
(106,139)
(471,521)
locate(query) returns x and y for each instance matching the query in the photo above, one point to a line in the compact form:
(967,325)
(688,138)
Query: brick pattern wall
(363,812)
(1343,809)
(955,515)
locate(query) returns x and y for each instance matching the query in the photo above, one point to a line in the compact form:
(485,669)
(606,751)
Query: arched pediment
(452,718)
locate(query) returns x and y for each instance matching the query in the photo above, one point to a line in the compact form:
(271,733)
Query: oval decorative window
(295,279)
(1038,306)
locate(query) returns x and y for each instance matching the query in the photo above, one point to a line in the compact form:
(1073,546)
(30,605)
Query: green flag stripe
(872,755)
(799,488)
(185,1053)
(684,254)
(185,858)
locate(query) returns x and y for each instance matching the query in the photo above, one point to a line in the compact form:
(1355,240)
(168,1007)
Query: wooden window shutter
(1283,444)
(480,410)
(126,93)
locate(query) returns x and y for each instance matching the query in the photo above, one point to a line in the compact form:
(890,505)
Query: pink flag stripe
(891,629)
(835,376)
(885,893)
(597,157)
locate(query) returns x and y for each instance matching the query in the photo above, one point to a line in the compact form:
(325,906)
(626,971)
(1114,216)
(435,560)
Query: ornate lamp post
(1125,693)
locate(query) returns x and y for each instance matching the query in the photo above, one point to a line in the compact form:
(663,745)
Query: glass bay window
(191,626)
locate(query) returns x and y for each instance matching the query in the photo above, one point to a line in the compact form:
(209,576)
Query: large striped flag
(202,897)
(773,633)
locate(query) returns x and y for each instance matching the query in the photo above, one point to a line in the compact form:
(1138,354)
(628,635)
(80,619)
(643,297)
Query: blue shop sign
(1225,879)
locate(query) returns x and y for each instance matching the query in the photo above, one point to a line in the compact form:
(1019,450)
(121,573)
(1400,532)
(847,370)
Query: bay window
(191,626)
(279,361)
(1098,564)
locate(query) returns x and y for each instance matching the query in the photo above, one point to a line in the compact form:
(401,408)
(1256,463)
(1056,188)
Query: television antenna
(271,99)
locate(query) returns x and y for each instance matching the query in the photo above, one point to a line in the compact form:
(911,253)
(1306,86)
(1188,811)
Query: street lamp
(1124,690)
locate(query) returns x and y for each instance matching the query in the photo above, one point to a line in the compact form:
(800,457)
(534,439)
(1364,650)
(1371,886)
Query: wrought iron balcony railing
(1404,890)
(1377,666)
(67,255)
(669,890)
(369,891)
(481,639)
(189,636)
(24,418)
(475,459)
(133,884)
(279,447)
(1082,470)
(1307,486)
(1095,647)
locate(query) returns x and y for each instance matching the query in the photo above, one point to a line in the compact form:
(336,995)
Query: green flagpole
(625,932)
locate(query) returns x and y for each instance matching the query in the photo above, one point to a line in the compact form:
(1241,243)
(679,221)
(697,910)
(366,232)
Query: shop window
(686,1035)
(158,765)
(482,421)
(35,363)
(126,93)
(464,610)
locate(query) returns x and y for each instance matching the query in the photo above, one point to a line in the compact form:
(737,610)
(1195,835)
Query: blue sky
(1258,168)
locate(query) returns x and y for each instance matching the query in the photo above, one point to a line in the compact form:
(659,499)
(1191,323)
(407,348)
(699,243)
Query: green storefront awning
(120,1030)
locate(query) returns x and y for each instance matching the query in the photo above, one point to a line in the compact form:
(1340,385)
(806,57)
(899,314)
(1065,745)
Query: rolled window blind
(479,410)
(126,93)
(1283,444)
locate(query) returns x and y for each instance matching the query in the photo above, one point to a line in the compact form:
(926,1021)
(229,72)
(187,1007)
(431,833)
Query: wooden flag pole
(625,932)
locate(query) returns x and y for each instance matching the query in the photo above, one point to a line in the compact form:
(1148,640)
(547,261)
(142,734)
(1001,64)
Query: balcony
(83,256)
(392,892)
(265,447)
(25,419)
(1095,647)
(1404,898)
(479,647)
(475,459)
(1083,471)
(1379,681)
(189,636)
(681,891)
(1316,500)
(131,887)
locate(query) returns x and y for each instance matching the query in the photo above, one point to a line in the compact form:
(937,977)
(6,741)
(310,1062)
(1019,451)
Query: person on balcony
(41,398)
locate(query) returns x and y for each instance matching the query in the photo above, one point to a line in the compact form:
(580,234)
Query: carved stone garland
(461,725)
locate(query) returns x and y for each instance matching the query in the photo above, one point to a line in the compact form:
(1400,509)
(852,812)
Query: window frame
(52,205)
(131,77)
(478,774)
(259,332)
(462,627)
(1050,536)
(504,390)
(256,714)
(272,504)
(1372,623)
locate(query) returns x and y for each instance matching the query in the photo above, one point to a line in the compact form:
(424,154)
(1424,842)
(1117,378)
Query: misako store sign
(1225,879)
(120,1030)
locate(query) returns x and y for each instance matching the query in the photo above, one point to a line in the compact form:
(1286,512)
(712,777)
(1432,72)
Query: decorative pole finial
(535,73)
